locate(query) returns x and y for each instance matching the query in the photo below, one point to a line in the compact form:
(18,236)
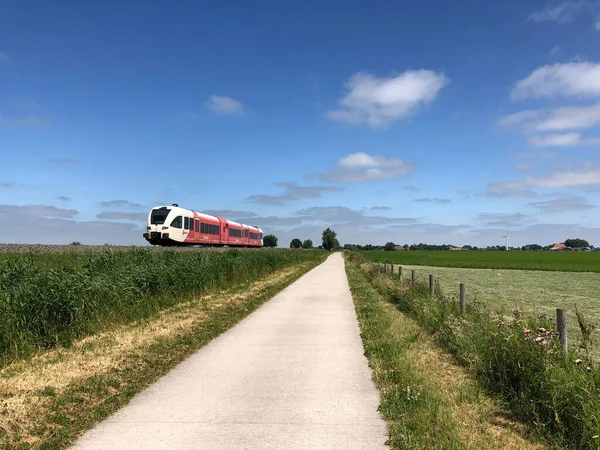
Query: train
(175,226)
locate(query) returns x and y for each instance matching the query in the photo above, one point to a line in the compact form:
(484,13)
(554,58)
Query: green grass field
(534,291)
(554,261)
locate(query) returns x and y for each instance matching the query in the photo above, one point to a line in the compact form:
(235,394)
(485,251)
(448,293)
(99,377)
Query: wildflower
(588,368)
(578,361)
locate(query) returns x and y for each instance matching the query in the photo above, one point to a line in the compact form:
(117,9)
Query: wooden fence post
(385,267)
(392,268)
(414,276)
(561,326)
(463,303)
(431,285)
(400,274)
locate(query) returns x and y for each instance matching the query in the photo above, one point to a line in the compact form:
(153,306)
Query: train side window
(176,223)
(197,225)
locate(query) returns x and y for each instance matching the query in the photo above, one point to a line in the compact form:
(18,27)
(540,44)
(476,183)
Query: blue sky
(403,121)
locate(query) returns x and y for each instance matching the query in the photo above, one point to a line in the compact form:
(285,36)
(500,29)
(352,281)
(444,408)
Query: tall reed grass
(519,360)
(45,302)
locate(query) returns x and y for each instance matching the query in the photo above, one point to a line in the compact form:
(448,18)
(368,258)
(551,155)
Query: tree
(575,243)
(390,246)
(296,243)
(405,246)
(270,241)
(329,239)
(307,244)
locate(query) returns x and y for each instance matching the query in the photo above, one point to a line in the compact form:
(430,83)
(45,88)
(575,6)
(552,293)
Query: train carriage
(172,225)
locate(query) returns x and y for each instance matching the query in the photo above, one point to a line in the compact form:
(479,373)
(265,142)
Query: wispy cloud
(224,105)
(28,121)
(378,101)
(587,175)
(597,24)
(562,140)
(432,200)
(39,211)
(563,204)
(64,198)
(230,213)
(4,57)
(502,219)
(120,215)
(63,161)
(561,12)
(576,79)
(538,154)
(120,203)
(557,119)
(292,192)
(523,193)
(380,208)
(360,167)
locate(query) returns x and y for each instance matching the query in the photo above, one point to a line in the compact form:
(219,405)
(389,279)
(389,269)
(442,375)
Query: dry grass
(27,387)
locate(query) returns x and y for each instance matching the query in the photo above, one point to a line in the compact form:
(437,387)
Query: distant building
(450,247)
(558,247)
(398,247)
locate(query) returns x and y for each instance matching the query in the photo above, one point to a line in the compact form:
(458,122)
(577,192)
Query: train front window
(159,216)
(176,222)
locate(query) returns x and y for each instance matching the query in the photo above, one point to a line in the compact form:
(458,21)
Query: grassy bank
(555,261)
(57,298)
(427,401)
(519,361)
(52,398)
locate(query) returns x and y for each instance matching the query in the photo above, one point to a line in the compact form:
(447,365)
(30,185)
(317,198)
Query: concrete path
(292,375)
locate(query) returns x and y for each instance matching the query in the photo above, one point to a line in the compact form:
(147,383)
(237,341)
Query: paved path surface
(292,375)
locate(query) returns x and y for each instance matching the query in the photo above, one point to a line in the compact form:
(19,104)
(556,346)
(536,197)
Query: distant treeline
(575,244)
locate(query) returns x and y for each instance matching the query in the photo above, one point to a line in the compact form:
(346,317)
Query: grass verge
(49,400)
(518,361)
(427,401)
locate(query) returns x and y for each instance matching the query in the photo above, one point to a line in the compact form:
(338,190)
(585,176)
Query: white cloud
(587,175)
(380,101)
(562,12)
(358,167)
(562,140)
(597,24)
(224,105)
(557,119)
(577,79)
(4,57)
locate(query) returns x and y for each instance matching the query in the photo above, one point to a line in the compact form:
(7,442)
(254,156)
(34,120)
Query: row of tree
(329,238)
(390,246)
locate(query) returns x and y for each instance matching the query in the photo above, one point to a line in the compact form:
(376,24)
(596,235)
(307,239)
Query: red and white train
(172,225)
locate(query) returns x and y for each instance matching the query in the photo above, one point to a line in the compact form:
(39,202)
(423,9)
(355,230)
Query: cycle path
(291,375)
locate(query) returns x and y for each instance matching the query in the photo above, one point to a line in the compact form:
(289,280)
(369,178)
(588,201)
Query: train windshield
(159,216)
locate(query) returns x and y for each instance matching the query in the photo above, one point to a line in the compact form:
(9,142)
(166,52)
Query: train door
(193,228)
